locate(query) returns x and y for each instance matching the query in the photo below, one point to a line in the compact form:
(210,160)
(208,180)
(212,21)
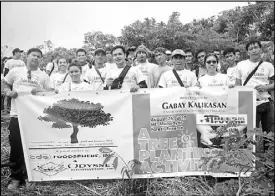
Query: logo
(39,157)
(50,169)
(81,166)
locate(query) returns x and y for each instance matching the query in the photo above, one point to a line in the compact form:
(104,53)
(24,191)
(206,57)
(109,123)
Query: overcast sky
(26,24)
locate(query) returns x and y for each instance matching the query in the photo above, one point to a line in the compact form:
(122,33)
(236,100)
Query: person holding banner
(124,76)
(75,83)
(256,73)
(61,76)
(178,76)
(23,79)
(212,78)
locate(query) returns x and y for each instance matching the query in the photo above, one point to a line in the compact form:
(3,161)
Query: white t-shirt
(70,86)
(57,79)
(155,74)
(145,69)
(218,80)
(133,76)
(50,66)
(12,63)
(94,79)
(109,66)
(168,79)
(260,77)
(19,79)
(232,73)
(85,68)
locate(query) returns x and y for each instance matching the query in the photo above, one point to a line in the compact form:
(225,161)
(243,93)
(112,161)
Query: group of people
(118,68)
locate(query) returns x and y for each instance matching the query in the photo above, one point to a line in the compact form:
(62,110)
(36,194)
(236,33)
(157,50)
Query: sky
(27,24)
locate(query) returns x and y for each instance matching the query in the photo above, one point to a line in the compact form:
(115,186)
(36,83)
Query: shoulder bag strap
(178,78)
(65,78)
(251,73)
(123,73)
(97,71)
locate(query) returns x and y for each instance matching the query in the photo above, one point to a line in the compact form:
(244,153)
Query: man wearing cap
(15,61)
(156,72)
(142,64)
(169,78)
(97,74)
(23,79)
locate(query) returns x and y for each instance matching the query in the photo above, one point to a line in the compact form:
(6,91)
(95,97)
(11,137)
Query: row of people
(81,77)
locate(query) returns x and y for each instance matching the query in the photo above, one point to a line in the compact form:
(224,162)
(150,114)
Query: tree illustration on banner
(74,113)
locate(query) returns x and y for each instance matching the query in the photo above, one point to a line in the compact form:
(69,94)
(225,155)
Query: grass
(178,186)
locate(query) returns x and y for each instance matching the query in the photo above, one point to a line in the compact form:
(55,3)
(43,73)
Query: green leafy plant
(128,169)
(74,113)
(237,152)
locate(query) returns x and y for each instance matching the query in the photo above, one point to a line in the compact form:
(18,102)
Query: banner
(167,130)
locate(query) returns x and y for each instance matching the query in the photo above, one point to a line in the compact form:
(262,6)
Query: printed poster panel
(182,123)
(62,134)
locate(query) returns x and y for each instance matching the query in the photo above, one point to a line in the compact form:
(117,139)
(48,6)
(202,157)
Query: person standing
(110,62)
(142,64)
(189,57)
(201,68)
(52,66)
(124,76)
(82,59)
(156,72)
(23,79)
(178,76)
(96,76)
(14,62)
(62,75)
(260,82)
(229,55)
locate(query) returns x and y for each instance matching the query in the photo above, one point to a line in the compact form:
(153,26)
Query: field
(205,186)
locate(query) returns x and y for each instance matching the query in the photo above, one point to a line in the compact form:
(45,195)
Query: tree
(74,113)
(97,39)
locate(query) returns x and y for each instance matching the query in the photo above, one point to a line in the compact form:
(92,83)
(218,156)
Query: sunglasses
(209,62)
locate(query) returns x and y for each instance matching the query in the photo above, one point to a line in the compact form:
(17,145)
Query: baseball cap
(100,50)
(178,52)
(168,52)
(16,50)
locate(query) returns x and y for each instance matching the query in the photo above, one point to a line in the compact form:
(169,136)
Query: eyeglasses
(209,62)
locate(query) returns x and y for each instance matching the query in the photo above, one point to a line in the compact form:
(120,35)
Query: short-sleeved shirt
(260,77)
(145,69)
(49,67)
(19,79)
(94,79)
(133,76)
(155,74)
(14,63)
(168,79)
(109,66)
(85,68)
(58,78)
(70,86)
(219,81)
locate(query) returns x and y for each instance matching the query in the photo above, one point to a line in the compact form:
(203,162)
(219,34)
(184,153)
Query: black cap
(100,50)
(16,50)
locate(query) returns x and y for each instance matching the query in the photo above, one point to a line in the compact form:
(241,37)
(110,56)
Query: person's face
(211,64)
(90,55)
(178,60)
(17,55)
(141,56)
(75,73)
(237,56)
(109,56)
(217,53)
(200,57)
(230,58)
(119,56)
(100,57)
(160,58)
(189,57)
(254,51)
(34,59)
(81,57)
(62,64)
